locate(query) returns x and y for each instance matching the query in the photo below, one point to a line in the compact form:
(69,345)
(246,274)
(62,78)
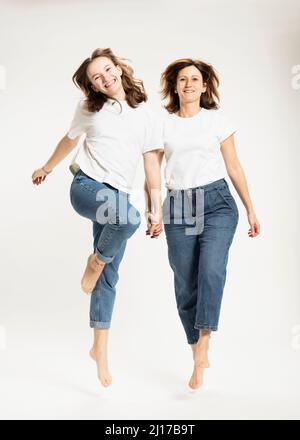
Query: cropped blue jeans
(114,220)
(199,233)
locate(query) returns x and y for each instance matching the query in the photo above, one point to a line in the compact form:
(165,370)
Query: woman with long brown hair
(200,213)
(119,128)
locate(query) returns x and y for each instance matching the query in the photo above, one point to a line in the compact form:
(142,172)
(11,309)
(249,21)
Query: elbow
(69,142)
(234,170)
(152,165)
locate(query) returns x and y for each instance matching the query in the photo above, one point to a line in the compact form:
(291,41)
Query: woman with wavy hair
(119,128)
(200,213)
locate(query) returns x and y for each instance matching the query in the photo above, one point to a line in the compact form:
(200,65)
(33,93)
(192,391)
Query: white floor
(41,379)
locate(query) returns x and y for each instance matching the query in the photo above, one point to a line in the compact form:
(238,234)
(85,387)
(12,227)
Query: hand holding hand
(154,224)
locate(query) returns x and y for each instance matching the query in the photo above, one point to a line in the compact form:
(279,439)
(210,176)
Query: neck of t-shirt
(114,100)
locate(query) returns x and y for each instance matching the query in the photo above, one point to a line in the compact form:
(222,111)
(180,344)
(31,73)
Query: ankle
(99,350)
(97,261)
(202,345)
(205,333)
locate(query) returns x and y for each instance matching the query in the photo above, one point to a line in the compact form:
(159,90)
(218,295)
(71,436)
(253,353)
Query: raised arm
(63,148)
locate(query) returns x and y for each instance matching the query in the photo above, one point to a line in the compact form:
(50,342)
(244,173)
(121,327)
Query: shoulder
(81,107)
(160,113)
(216,115)
(146,108)
(152,112)
(221,124)
(213,114)
(218,119)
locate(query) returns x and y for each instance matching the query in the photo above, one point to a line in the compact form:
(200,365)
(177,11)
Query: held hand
(154,230)
(254,225)
(154,224)
(39,176)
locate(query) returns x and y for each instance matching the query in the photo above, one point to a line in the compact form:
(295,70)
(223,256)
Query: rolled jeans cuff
(97,324)
(102,257)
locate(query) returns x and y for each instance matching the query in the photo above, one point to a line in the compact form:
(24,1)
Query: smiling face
(104,76)
(189,85)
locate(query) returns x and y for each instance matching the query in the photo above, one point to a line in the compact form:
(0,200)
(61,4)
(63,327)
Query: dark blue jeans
(198,256)
(114,221)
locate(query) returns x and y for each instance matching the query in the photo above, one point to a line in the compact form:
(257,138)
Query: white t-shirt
(114,141)
(192,148)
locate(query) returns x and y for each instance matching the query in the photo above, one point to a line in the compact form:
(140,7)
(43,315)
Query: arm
(63,148)
(152,188)
(238,178)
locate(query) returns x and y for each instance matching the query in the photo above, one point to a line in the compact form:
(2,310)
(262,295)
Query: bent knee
(132,222)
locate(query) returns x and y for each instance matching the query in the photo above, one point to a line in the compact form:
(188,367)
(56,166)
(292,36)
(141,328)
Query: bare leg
(200,356)
(99,354)
(91,274)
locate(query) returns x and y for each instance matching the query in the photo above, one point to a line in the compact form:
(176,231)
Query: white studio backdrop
(44,333)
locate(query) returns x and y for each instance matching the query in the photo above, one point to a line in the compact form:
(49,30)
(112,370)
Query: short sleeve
(79,122)
(154,132)
(224,127)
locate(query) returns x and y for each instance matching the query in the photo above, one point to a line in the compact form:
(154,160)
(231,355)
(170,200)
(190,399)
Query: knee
(129,225)
(110,277)
(213,273)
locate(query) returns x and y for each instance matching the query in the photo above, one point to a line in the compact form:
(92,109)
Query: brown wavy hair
(208,99)
(134,88)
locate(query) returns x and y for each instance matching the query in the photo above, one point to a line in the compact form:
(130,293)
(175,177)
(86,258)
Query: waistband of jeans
(82,173)
(208,187)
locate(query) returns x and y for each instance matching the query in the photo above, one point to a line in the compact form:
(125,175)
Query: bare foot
(200,363)
(102,369)
(92,273)
(197,378)
(200,352)
(200,355)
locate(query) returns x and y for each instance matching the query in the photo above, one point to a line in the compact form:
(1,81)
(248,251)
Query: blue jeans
(114,221)
(199,259)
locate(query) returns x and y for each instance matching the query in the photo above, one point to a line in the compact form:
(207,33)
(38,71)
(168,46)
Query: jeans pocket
(227,197)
